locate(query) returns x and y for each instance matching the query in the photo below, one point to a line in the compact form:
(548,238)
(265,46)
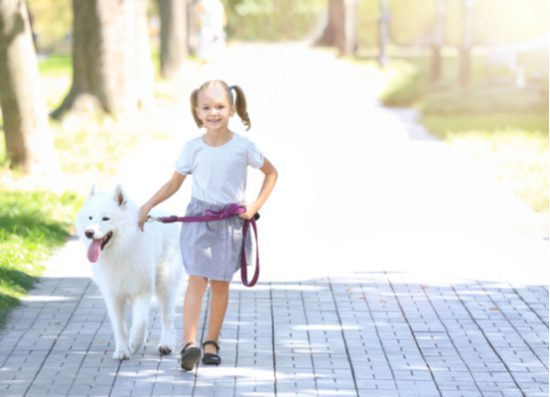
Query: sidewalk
(391,266)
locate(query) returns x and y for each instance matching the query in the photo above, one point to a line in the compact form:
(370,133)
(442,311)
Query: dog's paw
(164,350)
(136,344)
(122,354)
(167,341)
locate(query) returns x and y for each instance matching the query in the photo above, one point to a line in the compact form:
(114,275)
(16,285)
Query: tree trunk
(142,67)
(173,36)
(383,32)
(328,36)
(111,58)
(466,47)
(341,26)
(348,39)
(29,143)
(438,40)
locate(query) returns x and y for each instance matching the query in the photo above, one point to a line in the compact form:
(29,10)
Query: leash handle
(244,270)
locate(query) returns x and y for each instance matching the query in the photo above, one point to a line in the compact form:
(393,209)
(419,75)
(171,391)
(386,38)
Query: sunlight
(46,298)
(327,327)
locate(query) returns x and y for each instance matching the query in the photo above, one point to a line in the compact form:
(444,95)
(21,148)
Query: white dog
(129,266)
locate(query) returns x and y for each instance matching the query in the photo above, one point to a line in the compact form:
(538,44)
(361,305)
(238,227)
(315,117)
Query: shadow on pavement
(348,335)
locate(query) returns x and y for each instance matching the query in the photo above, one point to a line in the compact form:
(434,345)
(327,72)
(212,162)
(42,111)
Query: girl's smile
(214,109)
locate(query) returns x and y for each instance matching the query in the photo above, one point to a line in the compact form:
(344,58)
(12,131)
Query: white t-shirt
(219,172)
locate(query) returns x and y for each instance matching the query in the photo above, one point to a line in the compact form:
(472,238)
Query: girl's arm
(167,190)
(267,187)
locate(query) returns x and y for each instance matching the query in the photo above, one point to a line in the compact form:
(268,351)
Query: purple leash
(212,216)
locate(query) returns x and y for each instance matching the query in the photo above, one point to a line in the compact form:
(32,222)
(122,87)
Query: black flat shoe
(190,356)
(211,358)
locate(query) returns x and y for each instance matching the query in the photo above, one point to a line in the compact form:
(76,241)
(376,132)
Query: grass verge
(32,225)
(503,127)
(512,147)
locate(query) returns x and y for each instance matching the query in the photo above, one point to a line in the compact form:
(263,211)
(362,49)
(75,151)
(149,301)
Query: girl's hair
(239,102)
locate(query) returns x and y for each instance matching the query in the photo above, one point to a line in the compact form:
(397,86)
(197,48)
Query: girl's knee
(219,286)
(197,280)
(197,284)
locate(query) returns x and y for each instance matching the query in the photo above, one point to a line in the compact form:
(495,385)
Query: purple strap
(244,275)
(228,212)
(211,216)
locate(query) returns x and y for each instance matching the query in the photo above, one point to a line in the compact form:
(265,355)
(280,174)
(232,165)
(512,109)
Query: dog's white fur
(131,267)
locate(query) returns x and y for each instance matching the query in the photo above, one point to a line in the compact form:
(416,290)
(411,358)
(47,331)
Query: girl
(211,251)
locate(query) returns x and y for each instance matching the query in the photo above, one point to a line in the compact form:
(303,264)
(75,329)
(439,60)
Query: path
(391,265)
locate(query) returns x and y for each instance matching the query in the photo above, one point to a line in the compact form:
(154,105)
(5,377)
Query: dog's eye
(90,217)
(105,219)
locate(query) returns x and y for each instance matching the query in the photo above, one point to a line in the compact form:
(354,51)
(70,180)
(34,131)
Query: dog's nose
(89,233)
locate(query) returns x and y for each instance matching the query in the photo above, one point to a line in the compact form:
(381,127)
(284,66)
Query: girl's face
(213,108)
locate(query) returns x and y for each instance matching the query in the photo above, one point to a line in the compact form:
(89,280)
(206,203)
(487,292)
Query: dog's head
(106,219)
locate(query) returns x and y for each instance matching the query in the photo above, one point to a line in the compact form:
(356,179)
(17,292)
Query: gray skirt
(211,249)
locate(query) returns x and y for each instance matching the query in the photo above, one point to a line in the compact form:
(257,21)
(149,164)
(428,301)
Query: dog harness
(213,216)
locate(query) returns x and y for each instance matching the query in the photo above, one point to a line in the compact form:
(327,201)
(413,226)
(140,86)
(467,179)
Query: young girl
(211,251)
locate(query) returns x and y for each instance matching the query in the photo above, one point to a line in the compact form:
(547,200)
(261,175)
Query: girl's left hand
(249,214)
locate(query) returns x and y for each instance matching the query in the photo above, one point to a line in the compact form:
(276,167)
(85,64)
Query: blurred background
(473,72)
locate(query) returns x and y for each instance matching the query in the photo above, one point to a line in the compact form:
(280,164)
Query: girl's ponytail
(240,105)
(194,104)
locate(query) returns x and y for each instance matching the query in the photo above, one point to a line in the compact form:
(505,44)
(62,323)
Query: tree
(438,39)
(173,36)
(340,30)
(111,56)
(29,143)
(465,54)
(383,32)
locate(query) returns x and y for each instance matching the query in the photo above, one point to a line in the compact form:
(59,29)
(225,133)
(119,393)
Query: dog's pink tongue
(94,250)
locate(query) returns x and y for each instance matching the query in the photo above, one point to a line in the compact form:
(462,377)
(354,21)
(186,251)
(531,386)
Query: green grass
(493,123)
(56,72)
(32,224)
(97,149)
(56,65)
(407,82)
(504,127)
(410,86)
(513,147)
(484,99)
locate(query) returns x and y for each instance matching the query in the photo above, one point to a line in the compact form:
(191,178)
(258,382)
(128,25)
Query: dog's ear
(92,192)
(120,196)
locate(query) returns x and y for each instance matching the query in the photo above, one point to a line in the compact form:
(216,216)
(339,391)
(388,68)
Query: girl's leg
(192,308)
(218,306)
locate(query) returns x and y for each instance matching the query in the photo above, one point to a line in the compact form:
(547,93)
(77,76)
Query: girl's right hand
(167,190)
(143,215)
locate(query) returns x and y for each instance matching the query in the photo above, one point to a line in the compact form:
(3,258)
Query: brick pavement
(364,334)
